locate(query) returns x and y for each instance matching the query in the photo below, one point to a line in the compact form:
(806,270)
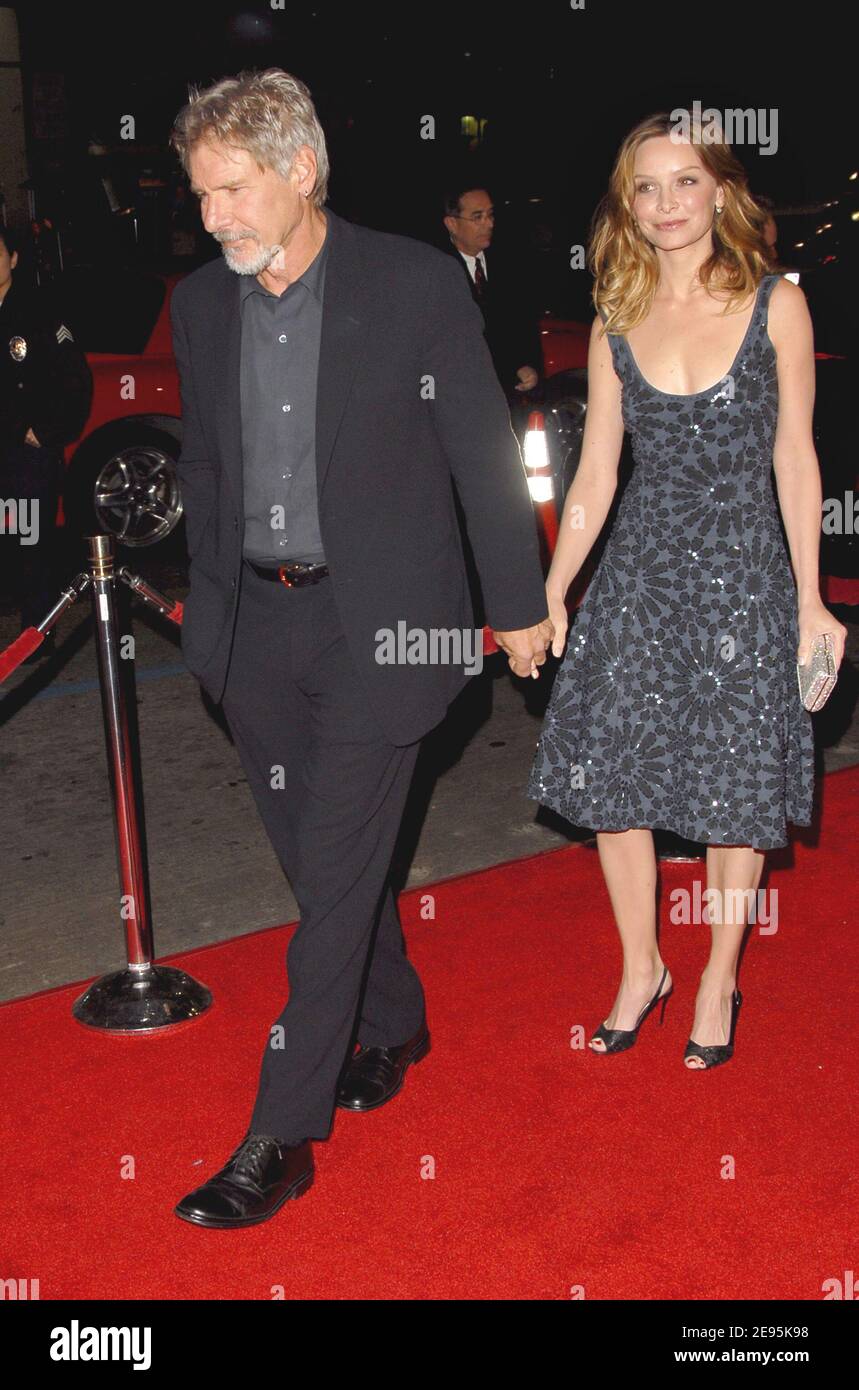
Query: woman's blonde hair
(622,260)
(269,114)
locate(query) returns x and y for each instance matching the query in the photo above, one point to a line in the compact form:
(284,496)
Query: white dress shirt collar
(470,262)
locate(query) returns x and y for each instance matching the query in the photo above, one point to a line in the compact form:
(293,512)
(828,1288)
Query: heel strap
(655,1000)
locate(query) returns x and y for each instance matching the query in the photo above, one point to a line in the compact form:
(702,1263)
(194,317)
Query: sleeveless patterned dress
(676,703)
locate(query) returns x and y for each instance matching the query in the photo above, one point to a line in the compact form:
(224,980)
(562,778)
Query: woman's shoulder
(599,332)
(784,288)
(601,338)
(788,309)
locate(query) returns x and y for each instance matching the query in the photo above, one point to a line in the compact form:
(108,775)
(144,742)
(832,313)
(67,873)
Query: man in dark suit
(333,378)
(496,286)
(509,328)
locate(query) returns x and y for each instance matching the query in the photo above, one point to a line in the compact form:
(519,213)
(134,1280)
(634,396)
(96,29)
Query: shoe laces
(252,1154)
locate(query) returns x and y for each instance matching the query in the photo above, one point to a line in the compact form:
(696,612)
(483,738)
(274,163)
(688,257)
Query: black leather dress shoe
(374,1075)
(259,1176)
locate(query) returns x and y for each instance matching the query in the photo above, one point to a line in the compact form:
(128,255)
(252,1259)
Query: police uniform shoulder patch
(63,334)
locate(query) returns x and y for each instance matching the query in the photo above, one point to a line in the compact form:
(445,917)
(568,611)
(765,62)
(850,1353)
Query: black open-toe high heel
(716,1053)
(619,1039)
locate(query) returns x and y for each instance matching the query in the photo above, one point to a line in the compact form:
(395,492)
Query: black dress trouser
(331,791)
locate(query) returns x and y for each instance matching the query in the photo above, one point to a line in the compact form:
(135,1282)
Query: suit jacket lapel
(345,320)
(227,343)
(461,261)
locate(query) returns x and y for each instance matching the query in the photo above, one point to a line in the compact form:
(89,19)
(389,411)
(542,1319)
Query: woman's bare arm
(588,501)
(795,460)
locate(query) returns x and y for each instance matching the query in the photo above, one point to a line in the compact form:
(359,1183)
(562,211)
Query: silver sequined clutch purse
(818,676)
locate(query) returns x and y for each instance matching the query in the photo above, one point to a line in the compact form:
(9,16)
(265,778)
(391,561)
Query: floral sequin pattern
(676,703)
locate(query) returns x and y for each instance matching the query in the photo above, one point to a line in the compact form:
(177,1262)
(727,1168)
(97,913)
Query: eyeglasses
(488,216)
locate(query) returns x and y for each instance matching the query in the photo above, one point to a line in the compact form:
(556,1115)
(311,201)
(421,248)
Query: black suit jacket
(396,314)
(511,328)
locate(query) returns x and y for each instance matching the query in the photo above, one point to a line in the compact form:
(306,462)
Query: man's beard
(247,265)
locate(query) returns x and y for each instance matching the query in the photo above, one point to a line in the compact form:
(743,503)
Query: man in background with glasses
(510,331)
(498,289)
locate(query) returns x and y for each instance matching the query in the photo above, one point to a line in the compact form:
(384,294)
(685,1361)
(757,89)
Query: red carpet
(554,1169)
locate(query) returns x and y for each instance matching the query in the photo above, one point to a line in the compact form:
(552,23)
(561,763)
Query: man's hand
(526,647)
(527,379)
(30,438)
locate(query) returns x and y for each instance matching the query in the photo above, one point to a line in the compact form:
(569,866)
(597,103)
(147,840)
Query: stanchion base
(140,1001)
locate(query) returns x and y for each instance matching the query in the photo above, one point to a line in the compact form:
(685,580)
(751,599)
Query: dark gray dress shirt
(279,362)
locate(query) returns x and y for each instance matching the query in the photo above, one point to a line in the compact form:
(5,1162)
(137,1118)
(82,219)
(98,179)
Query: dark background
(557,88)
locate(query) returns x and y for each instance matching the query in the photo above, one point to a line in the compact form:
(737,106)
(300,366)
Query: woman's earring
(718,210)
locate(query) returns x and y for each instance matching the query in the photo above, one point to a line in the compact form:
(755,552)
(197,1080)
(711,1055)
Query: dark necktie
(479,278)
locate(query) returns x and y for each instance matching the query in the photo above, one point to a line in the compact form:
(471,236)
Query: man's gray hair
(269,114)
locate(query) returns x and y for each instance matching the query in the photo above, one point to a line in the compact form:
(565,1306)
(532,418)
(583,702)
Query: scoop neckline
(693,395)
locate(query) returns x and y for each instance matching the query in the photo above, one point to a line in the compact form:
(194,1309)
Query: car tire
(135,464)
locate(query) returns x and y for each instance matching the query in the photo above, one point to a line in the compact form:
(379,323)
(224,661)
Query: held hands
(814,619)
(527,379)
(526,647)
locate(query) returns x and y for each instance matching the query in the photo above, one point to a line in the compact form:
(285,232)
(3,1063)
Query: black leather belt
(293,575)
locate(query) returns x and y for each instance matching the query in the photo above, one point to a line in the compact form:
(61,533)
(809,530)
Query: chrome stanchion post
(143,996)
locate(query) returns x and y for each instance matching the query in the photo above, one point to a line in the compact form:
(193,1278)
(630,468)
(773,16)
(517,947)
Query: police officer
(45,399)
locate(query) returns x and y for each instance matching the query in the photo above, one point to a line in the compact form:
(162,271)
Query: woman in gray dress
(676,705)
